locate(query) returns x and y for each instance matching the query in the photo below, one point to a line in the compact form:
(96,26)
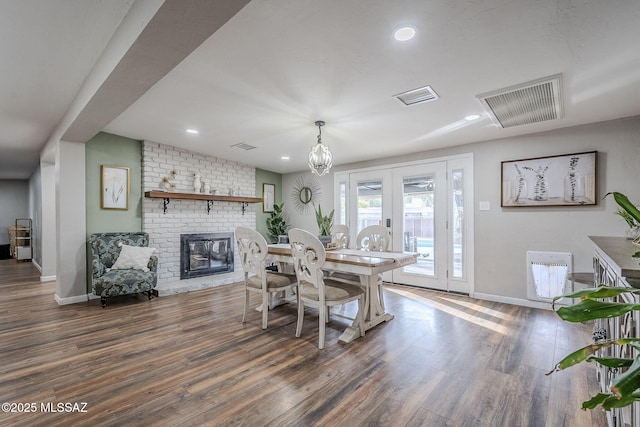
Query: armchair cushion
(134,257)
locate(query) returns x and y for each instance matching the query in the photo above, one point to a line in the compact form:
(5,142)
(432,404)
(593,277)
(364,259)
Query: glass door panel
(420,211)
(372,202)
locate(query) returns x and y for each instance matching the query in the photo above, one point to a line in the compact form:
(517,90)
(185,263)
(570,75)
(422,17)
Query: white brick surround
(190,216)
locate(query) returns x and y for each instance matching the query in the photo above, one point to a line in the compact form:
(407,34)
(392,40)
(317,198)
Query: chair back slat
(252,247)
(374,238)
(308,257)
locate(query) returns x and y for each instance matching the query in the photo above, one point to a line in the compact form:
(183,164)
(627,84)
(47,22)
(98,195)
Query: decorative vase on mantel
(197,184)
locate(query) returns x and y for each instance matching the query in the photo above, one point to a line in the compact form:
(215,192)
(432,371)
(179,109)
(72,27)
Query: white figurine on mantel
(197,184)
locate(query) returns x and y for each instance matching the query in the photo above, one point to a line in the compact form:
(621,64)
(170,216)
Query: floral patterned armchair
(106,281)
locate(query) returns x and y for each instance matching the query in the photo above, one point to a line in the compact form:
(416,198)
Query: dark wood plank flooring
(187,360)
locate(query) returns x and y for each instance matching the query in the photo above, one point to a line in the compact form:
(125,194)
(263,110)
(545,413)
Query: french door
(423,207)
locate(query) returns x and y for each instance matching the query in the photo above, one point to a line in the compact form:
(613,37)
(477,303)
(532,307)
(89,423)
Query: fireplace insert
(205,254)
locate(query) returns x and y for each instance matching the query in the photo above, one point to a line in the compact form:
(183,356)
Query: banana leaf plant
(624,388)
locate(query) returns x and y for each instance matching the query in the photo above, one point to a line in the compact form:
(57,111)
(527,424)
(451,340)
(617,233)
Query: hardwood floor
(445,360)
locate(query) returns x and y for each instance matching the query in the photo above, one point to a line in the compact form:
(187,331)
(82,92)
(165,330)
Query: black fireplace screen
(205,254)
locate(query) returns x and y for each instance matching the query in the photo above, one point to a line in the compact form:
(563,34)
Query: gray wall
(35,212)
(503,235)
(266,177)
(14,203)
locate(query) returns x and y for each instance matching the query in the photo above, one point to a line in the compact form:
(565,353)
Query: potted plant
(629,213)
(624,388)
(277,224)
(325,223)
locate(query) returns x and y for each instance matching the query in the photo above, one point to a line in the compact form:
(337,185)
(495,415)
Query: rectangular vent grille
(244,146)
(531,102)
(417,96)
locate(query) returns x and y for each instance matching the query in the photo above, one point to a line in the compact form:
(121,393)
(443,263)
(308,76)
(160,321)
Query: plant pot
(325,240)
(283,238)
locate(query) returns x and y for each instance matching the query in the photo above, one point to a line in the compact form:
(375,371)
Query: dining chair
(373,238)
(340,235)
(314,289)
(253,251)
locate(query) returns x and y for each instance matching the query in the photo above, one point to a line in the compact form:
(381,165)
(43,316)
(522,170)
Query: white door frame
(457,162)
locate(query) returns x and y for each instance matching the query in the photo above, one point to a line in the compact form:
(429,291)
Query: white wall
(14,203)
(503,235)
(71,278)
(35,213)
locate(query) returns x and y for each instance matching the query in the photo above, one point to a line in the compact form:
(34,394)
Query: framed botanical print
(115,187)
(268,197)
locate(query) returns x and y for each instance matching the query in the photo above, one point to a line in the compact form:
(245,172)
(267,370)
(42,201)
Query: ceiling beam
(176,30)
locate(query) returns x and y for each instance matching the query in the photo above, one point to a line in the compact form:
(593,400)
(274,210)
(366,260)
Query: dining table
(367,265)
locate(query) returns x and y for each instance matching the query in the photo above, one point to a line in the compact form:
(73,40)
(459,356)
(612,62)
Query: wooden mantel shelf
(210,198)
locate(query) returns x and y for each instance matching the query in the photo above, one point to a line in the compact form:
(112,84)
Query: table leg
(373,314)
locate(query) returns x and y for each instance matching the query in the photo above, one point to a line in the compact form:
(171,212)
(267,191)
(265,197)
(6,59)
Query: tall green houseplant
(325,222)
(277,224)
(625,387)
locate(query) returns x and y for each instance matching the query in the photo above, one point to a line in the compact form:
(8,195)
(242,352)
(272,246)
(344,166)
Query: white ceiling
(277,66)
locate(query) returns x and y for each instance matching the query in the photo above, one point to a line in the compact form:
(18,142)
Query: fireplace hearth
(205,254)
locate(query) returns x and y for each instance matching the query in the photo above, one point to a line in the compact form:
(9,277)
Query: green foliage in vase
(276,223)
(325,223)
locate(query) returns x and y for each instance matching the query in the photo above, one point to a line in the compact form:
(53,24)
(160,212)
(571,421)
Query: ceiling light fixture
(472,117)
(192,131)
(320,156)
(285,158)
(405,33)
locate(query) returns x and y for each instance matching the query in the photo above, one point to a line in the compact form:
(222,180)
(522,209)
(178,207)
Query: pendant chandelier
(320,156)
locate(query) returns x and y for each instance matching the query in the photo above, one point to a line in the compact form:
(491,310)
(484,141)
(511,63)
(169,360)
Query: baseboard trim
(36,265)
(70,300)
(48,278)
(513,301)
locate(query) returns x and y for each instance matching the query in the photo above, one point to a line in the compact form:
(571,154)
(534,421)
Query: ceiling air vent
(417,96)
(244,146)
(532,102)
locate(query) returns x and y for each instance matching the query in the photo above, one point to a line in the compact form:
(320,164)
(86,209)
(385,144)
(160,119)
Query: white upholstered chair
(340,235)
(313,288)
(253,251)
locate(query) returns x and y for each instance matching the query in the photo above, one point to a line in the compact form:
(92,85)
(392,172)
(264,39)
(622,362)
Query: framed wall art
(268,197)
(115,187)
(565,180)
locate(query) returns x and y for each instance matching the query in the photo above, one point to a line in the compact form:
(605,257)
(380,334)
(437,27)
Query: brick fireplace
(190,216)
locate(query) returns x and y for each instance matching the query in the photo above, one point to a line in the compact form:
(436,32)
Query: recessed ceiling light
(472,117)
(192,131)
(285,158)
(405,33)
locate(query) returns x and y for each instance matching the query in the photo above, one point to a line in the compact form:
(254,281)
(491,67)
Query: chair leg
(246,304)
(322,313)
(300,316)
(265,308)
(103,301)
